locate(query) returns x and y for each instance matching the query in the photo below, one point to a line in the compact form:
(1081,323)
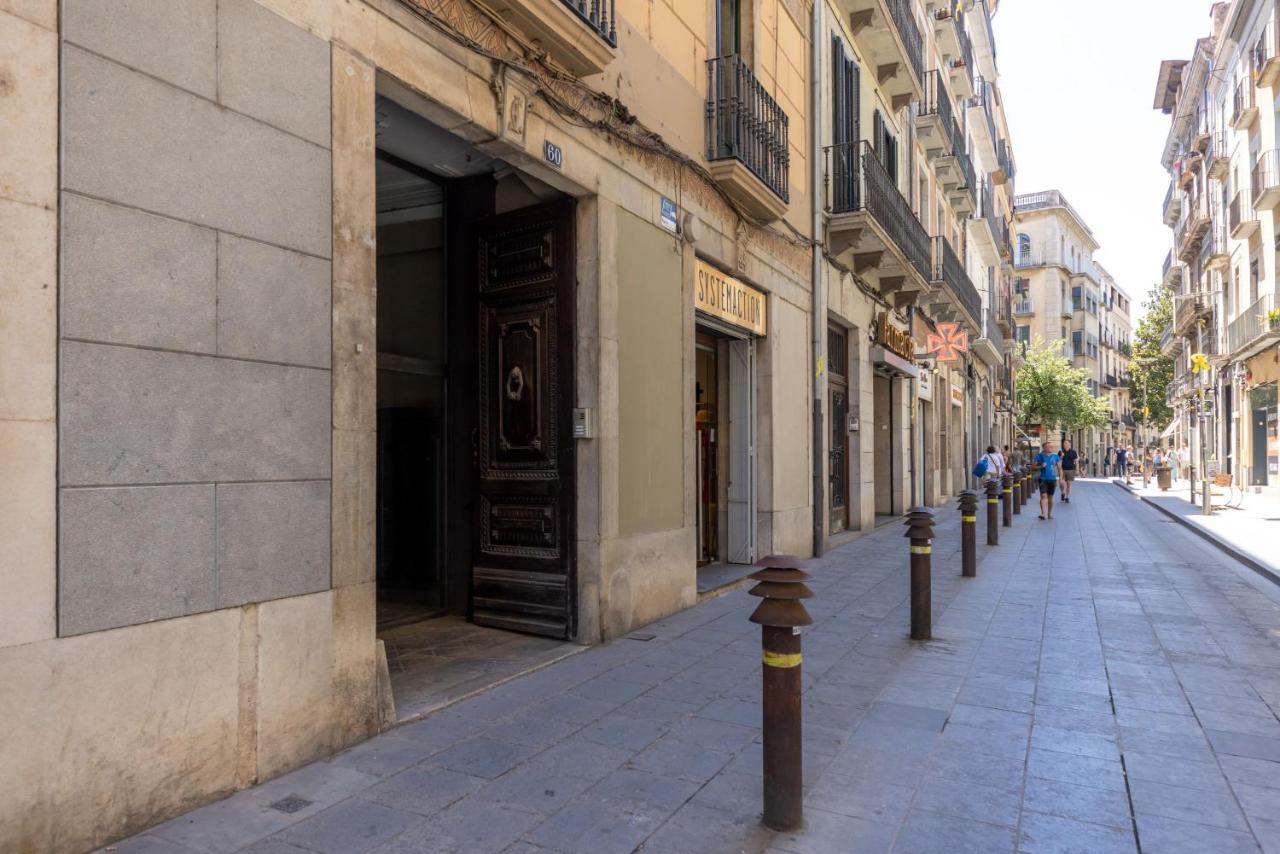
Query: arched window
(1024,247)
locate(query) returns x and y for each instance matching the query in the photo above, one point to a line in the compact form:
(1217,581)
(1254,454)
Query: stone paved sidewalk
(1247,531)
(1109,682)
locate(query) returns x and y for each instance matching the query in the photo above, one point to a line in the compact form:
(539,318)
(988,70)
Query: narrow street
(1108,683)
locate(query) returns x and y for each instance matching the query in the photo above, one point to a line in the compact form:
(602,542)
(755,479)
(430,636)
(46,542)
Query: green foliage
(1151,371)
(1053,393)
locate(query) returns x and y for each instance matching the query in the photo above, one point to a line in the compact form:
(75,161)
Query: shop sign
(957,396)
(925,388)
(725,298)
(949,343)
(894,339)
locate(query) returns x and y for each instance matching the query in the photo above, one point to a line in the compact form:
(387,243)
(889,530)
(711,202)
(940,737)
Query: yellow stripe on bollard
(993,500)
(968,518)
(921,550)
(780,659)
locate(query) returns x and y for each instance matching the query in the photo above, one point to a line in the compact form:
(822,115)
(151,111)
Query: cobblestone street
(1108,683)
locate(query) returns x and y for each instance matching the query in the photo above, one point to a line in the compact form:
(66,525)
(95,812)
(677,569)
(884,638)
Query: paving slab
(1110,679)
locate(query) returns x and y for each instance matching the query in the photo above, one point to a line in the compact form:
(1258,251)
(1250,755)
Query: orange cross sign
(948,342)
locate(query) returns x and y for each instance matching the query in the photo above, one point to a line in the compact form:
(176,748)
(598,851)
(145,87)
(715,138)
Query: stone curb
(1263,569)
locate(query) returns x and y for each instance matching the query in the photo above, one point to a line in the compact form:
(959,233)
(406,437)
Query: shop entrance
(1264,439)
(838,406)
(475,455)
(886,469)
(725,407)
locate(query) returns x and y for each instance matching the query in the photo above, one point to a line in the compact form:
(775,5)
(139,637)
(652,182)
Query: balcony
(990,347)
(960,66)
(870,221)
(1172,206)
(935,121)
(887,33)
(1244,106)
(984,39)
(984,226)
(1022,307)
(747,143)
(1170,344)
(1191,307)
(953,298)
(1171,273)
(1003,243)
(1110,381)
(1266,181)
(1253,329)
(1242,221)
(1265,55)
(981,119)
(1218,158)
(1214,254)
(948,26)
(580,35)
(1192,226)
(1005,168)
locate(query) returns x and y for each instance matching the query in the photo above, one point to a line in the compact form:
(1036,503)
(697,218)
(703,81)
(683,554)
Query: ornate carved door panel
(522,570)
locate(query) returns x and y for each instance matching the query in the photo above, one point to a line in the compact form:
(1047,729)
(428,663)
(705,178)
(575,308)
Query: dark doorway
(838,406)
(412,314)
(886,445)
(475,386)
(1259,445)
(707,419)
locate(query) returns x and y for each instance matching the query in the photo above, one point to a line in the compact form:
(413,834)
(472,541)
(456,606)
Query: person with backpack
(1049,466)
(990,465)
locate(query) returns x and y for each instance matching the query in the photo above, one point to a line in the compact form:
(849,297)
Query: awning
(1172,428)
(892,362)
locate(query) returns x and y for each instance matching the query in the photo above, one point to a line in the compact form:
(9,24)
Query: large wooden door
(522,568)
(838,406)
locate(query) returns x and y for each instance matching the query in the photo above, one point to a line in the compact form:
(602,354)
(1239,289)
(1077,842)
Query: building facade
(1061,294)
(1221,152)
(321,312)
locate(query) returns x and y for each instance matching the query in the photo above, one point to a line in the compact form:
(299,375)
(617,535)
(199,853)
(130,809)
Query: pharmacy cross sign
(948,342)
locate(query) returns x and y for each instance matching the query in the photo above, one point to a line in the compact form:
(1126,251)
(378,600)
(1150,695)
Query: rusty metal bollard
(1009,505)
(781,613)
(1026,487)
(969,534)
(993,512)
(920,530)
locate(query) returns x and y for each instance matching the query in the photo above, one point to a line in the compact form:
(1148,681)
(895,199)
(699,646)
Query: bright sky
(1078,81)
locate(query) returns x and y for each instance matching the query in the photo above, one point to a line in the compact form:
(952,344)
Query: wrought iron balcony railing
(746,124)
(1266,179)
(937,102)
(1243,105)
(964,62)
(905,22)
(984,97)
(949,270)
(858,181)
(1252,324)
(604,21)
(1004,156)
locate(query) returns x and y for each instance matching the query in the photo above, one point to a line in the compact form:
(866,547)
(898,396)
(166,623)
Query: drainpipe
(818,315)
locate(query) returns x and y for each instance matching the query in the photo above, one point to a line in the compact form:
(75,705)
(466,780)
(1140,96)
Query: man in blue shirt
(1050,467)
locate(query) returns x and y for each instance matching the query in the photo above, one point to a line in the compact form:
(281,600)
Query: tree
(1053,393)
(1151,371)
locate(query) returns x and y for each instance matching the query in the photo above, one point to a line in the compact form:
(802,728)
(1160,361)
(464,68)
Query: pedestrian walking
(1070,458)
(1175,463)
(996,466)
(1122,463)
(1049,465)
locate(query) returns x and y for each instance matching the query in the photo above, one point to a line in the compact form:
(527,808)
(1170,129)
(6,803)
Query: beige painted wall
(650,403)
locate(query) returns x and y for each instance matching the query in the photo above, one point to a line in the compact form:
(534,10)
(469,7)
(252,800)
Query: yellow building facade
(336,314)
